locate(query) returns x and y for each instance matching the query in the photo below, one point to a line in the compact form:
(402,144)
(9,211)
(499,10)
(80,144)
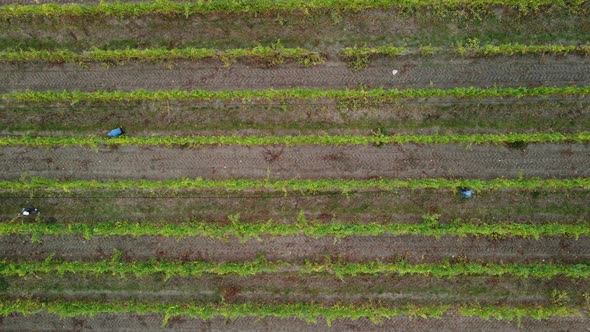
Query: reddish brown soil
(298,248)
(298,162)
(413,73)
(404,205)
(296,116)
(131,322)
(274,288)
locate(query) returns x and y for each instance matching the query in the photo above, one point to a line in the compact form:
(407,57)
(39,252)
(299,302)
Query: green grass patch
(301,185)
(380,139)
(187,9)
(344,96)
(172,268)
(274,54)
(430,226)
(377,313)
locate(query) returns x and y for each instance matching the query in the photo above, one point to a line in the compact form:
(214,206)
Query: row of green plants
(377,313)
(375,95)
(272,55)
(516,48)
(187,9)
(297,185)
(195,141)
(359,57)
(183,268)
(430,226)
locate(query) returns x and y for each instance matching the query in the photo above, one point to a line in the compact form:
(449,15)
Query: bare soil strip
(477,115)
(133,322)
(327,31)
(439,73)
(289,287)
(297,248)
(403,205)
(292,162)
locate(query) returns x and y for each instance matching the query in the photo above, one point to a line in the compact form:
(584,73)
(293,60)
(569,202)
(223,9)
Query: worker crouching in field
(466,192)
(116,132)
(30,210)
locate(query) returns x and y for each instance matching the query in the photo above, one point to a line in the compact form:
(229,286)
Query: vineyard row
(277,54)
(312,228)
(260,265)
(373,95)
(270,7)
(308,312)
(195,141)
(299,185)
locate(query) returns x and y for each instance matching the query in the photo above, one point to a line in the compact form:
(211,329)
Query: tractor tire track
(437,73)
(402,205)
(299,248)
(358,161)
(270,288)
(152,322)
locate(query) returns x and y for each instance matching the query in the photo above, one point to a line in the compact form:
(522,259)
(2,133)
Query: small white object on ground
(25,213)
(394,72)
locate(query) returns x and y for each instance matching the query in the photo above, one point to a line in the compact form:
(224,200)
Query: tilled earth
(403,205)
(299,162)
(300,116)
(411,73)
(132,322)
(326,33)
(298,248)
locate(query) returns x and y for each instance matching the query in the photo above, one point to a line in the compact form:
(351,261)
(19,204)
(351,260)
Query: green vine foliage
(344,96)
(194,141)
(340,269)
(358,58)
(308,312)
(299,185)
(271,7)
(272,55)
(244,232)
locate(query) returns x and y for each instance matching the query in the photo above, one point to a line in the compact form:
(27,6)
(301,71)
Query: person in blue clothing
(466,192)
(116,132)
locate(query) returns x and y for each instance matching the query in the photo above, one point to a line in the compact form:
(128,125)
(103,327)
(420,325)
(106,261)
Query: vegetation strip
(359,57)
(431,226)
(476,50)
(308,312)
(580,137)
(261,265)
(274,54)
(39,183)
(187,9)
(375,95)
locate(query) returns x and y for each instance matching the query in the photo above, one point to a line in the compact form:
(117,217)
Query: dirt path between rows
(273,288)
(412,73)
(279,162)
(296,116)
(403,205)
(144,323)
(324,30)
(297,248)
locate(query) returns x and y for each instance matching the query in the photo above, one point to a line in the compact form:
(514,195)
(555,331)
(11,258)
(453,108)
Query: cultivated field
(295,165)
